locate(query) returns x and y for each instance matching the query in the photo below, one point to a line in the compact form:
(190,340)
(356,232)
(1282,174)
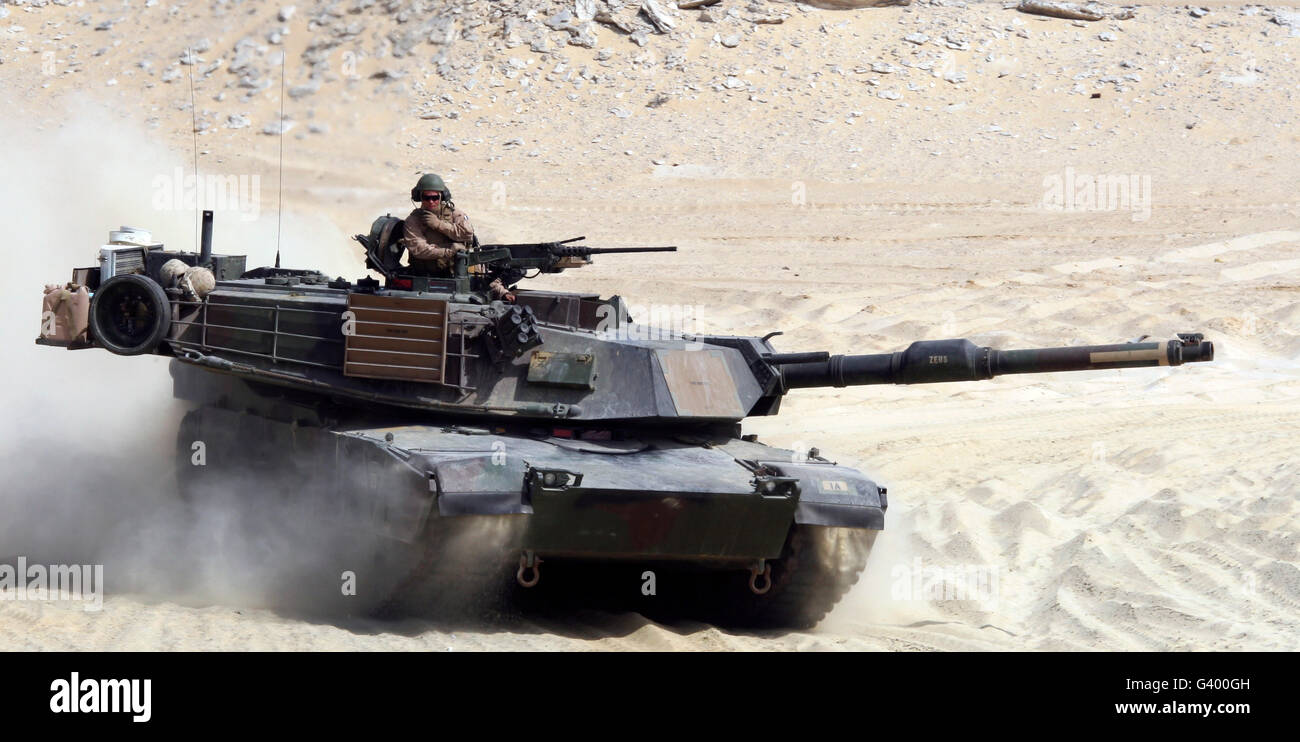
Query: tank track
(460,574)
(817,567)
(283,499)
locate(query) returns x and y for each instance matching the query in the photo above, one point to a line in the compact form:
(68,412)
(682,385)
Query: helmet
(430,182)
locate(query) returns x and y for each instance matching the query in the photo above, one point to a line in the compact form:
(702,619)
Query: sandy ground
(1133,510)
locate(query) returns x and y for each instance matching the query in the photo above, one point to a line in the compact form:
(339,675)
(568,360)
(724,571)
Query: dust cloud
(88,450)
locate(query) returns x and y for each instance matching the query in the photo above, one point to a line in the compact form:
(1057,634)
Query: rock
(657,15)
(620,112)
(561,21)
(243,59)
(917,38)
(320,128)
(584,10)
(1289,19)
(732,41)
(237,121)
(889,94)
(1092,11)
(624,19)
(584,36)
(286,13)
(1106,36)
(307,88)
(279,127)
(1199,12)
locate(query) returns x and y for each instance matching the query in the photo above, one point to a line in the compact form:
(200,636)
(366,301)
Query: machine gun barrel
(580,251)
(932,361)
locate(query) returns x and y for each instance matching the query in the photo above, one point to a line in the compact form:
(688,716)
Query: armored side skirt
(659,500)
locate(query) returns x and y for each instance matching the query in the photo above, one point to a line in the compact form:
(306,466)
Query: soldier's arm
(418,247)
(498,290)
(455,226)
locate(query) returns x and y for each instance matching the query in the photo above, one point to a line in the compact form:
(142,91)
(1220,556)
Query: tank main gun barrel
(932,361)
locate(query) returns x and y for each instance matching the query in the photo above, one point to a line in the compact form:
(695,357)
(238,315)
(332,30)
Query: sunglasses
(431,197)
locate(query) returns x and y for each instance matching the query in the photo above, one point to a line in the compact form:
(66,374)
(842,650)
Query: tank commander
(437,230)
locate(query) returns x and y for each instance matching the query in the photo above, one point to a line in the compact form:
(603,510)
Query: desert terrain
(855,177)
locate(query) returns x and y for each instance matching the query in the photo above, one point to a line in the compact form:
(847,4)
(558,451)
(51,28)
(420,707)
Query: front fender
(832,495)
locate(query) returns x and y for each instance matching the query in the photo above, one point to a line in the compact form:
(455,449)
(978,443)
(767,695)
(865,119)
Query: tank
(523,453)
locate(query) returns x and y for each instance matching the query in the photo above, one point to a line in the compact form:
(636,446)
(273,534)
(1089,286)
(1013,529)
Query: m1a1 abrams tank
(551,435)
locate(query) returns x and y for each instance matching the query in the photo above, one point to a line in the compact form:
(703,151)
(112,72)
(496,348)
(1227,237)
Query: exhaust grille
(117,261)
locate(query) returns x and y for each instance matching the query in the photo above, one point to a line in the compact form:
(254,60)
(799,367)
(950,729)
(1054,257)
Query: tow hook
(764,570)
(528,561)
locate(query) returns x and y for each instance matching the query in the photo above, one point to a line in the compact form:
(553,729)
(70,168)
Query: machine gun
(511,263)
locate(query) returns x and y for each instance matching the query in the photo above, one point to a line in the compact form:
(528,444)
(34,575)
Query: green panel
(574,370)
(576,521)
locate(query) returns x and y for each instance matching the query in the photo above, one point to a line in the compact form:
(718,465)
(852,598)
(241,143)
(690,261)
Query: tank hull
(484,511)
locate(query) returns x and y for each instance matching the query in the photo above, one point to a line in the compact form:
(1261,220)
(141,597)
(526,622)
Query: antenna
(279,208)
(194,128)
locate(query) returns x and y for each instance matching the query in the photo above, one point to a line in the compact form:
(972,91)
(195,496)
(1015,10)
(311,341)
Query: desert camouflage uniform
(432,239)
